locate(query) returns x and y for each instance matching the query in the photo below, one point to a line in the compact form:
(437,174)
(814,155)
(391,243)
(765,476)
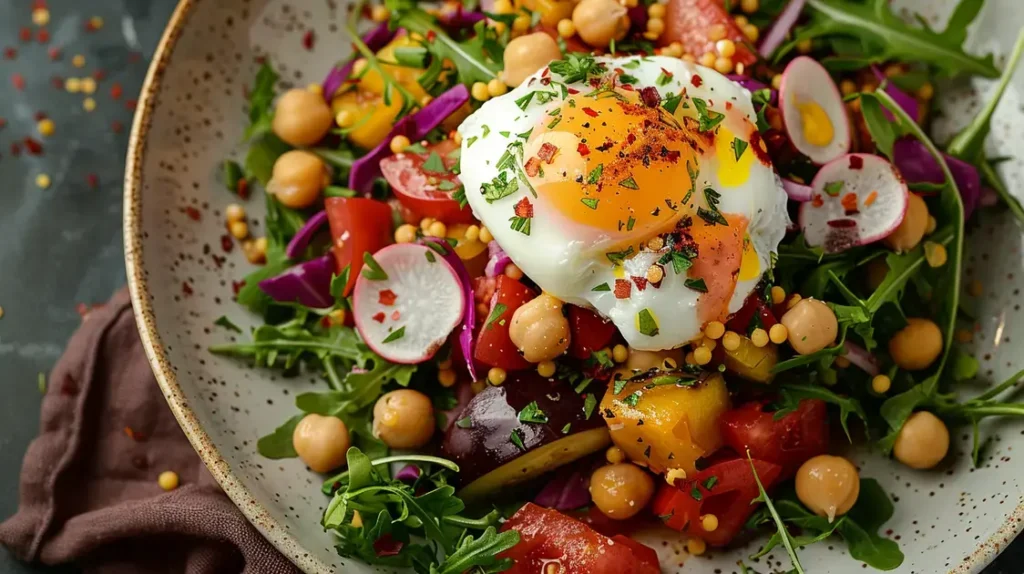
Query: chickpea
(539,329)
(912,228)
(403,419)
(298,178)
(922,442)
(638,361)
(811,326)
(828,485)
(622,490)
(916,346)
(321,442)
(598,22)
(302,118)
(527,54)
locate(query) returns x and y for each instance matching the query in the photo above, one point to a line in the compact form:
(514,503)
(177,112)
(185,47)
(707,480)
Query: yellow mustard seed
(168,480)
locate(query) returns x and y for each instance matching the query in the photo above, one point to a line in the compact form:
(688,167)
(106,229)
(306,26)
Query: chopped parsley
(628,79)
(520,224)
(499,188)
(590,202)
(712,216)
(630,223)
(589,404)
(595,174)
(632,399)
(434,164)
(619,256)
(680,262)
(671,102)
(739,146)
(431,257)
(833,188)
(516,438)
(464,423)
(373,271)
(696,285)
(629,183)
(663,78)
(618,385)
(576,67)
(496,313)
(695,493)
(602,287)
(395,335)
(602,358)
(565,429)
(646,323)
(710,482)
(533,414)
(708,119)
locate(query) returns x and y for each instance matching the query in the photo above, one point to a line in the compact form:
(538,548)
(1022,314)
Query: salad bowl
(184,272)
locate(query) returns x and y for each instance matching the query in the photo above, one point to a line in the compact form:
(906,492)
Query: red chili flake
(728,105)
(856,162)
(650,96)
(38,4)
(43,36)
(622,288)
(33,147)
(524,208)
(3,122)
(117,126)
(870,198)
(573,91)
(10,53)
(116,90)
(82,309)
(134,57)
(186,288)
(532,167)
(582,149)
(40,116)
(93,180)
(669,75)
(99,75)
(15,149)
(671,156)
(626,88)
(641,282)
(18,81)
(387,297)
(547,152)
(696,80)
(57,82)
(396,315)
(226,243)
(54,53)
(817,200)
(236,286)
(308,40)
(849,203)
(379,317)
(25,34)
(193,213)
(590,112)
(131,104)
(630,138)
(546,73)
(70,385)
(242,188)
(431,35)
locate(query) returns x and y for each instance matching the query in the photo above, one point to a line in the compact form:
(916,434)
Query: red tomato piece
(358,225)
(424,192)
(732,488)
(788,441)
(753,305)
(689,22)
(493,346)
(589,332)
(548,536)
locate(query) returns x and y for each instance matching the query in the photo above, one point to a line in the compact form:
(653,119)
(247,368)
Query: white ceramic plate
(191,117)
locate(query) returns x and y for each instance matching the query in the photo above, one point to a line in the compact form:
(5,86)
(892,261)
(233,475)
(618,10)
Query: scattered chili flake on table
(18,81)
(92,180)
(10,53)
(25,34)
(186,288)
(116,91)
(309,40)
(33,147)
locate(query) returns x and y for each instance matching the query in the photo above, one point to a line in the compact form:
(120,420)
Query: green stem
(332,373)
(998,389)
(389,80)
(996,183)
(419,21)
(475,524)
(398,458)
(248,349)
(974,412)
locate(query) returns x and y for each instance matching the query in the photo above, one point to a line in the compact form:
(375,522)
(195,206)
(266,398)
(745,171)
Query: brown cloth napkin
(89,492)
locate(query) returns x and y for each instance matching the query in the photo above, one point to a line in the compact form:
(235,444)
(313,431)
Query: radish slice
(797,191)
(858,199)
(812,108)
(407,304)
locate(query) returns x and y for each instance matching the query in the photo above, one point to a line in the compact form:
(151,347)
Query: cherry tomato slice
(358,225)
(588,332)
(724,489)
(788,441)
(493,346)
(423,190)
(690,22)
(548,536)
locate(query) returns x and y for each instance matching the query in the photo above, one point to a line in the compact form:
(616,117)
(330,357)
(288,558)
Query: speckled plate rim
(145,319)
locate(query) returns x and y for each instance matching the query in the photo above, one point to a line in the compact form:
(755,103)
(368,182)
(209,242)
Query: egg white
(568,259)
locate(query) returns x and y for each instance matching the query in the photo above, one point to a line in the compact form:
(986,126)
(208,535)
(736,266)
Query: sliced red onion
(415,126)
(466,342)
(567,491)
(459,18)
(409,473)
(861,357)
(300,242)
(307,283)
(905,101)
(497,260)
(375,40)
(776,35)
(386,545)
(797,191)
(749,83)
(917,165)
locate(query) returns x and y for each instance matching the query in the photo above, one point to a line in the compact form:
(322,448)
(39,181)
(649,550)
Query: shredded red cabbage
(307,283)
(497,260)
(861,357)
(300,242)
(780,28)
(415,127)
(469,315)
(917,165)
(905,101)
(567,491)
(375,40)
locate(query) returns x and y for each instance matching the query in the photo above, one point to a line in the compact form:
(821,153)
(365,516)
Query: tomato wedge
(724,489)
(788,441)
(358,225)
(588,331)
(548,536)
(754,312)
(424,188)
(493,346)
(690,22)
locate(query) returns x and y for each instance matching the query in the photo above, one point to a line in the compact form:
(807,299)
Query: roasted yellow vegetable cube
(751,362)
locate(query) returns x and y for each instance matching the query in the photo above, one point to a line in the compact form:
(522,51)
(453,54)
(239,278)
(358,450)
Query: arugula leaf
(278,444)
(792,394)
(261,102)
(787,540)
(223,321)
(263,152)
(477,59)
(479,555)
(883,36)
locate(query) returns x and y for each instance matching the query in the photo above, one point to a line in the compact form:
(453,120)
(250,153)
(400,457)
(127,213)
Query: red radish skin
(857,199)
(422,295)
(804,79)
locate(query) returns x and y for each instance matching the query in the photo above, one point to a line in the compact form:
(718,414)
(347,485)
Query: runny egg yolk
(817,126)
(611,163)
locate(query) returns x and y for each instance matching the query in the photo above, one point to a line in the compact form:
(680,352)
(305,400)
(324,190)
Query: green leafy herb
(696,494)
(372,270)
(783,533)
(464,423)
(630,223)
(520,224)
(738,147)
(790,396)
(261,102)
(834,188)
(565,429)
(41,383)
(646,323)
(632,398)
(708,119)
(619,256)
(602,287)
(576,67)
(434,164)
(629,183)
(516,438)
(696,284)
(589,404)
(499,188)
(603,358)
(671,102)
(618,385)
(532,413)
(710,482)
(395,335)
(496,313)
(223,321)
(278,444)
(679,260)
(476,59)
(590,202)
(232,174)
(595,174)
